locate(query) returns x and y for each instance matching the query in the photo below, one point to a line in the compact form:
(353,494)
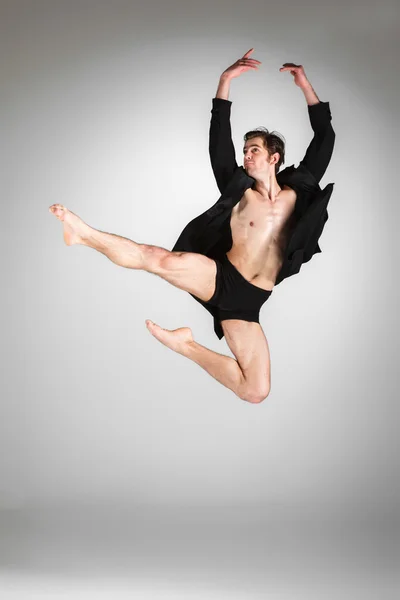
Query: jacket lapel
(303,183)
(235,189)
(311,224)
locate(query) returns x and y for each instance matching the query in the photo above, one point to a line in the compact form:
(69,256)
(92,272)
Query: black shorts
(234,297)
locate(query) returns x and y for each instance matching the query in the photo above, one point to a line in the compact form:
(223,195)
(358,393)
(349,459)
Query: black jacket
(210,233)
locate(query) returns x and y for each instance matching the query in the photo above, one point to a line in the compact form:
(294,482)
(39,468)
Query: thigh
(188,271)
(249,345)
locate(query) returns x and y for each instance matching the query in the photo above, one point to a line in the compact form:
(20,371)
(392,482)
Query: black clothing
(210,233)
(234,297)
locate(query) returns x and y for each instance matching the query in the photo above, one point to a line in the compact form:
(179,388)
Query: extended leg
(119,250)
(189,271)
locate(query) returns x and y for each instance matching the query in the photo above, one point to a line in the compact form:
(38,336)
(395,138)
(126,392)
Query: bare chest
(260,230)
(262,222)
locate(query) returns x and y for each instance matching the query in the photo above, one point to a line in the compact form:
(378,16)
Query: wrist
(310,95)
(225,77)
(306,86)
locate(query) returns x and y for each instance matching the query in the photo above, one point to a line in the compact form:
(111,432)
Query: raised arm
(319,152)
(222,151)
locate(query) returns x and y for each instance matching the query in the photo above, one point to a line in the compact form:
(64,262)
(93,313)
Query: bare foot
(176,339)
(74,227)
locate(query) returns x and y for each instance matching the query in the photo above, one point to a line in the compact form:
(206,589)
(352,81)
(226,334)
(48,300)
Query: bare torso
(260,230)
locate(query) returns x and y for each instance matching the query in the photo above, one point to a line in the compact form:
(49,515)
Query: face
(256,159)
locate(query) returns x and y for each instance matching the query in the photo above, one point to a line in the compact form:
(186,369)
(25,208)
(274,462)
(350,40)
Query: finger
(289,64)
(250,61)
(248,53)
(248,65)
(289,68)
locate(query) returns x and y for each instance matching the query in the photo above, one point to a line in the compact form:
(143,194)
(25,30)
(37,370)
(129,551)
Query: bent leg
(245,341)
(249,345)
(223,368)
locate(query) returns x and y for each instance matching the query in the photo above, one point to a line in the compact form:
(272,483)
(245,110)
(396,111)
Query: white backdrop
(106,108)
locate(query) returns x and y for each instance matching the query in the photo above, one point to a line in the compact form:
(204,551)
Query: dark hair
(273,142)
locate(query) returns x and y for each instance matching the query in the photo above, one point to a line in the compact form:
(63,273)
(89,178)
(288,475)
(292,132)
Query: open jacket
(210,233)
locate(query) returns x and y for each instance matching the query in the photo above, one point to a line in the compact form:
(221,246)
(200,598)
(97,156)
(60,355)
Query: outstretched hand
(300,77)
(243,64)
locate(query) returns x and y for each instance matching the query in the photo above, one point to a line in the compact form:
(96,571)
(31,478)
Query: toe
(62,213)
(57,209)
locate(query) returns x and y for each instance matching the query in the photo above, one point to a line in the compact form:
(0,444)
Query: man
(260,231)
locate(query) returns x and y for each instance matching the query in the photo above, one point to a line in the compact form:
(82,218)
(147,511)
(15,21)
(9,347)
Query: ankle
(86,235)
(188,348)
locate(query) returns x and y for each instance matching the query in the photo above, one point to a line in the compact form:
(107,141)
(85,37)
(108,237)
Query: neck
(267,186)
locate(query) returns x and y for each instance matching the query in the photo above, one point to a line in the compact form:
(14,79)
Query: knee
(257,395)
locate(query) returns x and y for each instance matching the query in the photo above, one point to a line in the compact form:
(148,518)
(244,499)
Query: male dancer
(264,226)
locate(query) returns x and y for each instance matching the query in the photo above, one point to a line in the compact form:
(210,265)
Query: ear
(274,158)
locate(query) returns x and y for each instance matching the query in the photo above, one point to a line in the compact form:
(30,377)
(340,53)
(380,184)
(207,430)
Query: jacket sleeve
(222,151)
(319,152)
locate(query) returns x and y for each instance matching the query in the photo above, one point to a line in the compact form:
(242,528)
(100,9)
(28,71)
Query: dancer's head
(263,152)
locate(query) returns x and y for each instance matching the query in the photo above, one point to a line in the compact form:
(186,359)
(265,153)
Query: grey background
(123,464)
